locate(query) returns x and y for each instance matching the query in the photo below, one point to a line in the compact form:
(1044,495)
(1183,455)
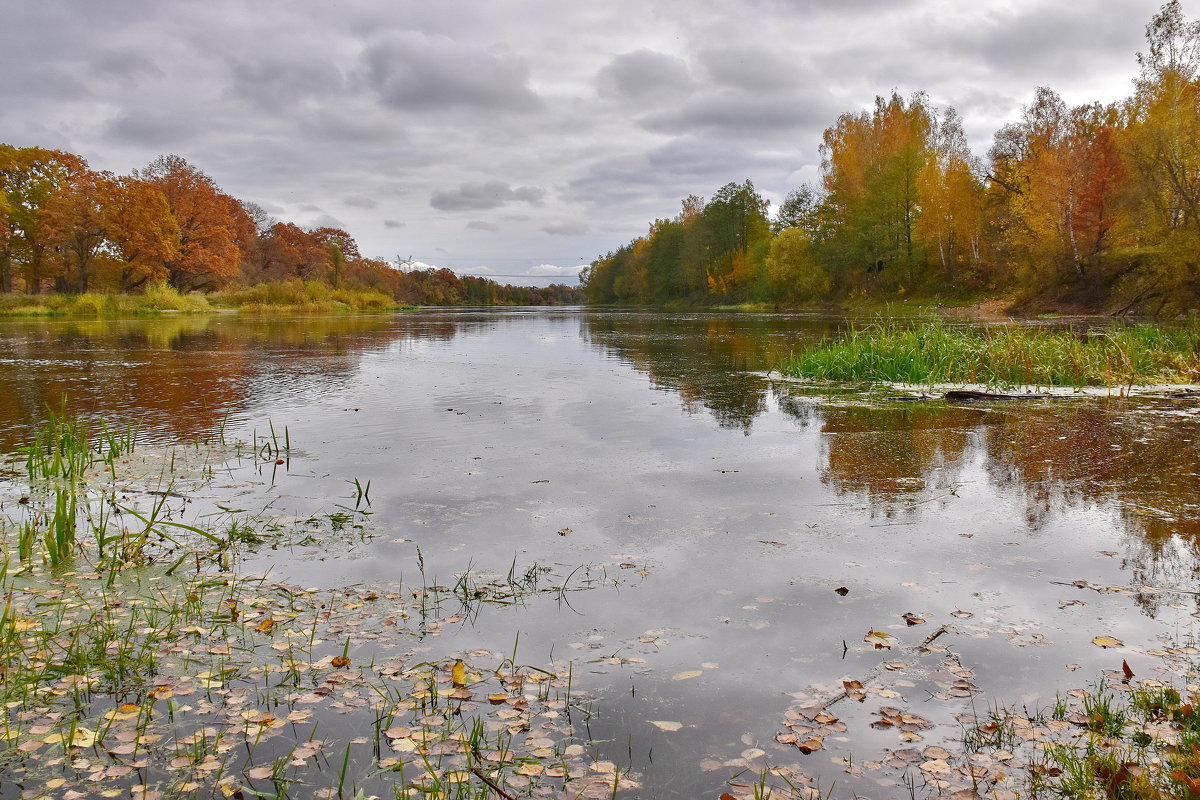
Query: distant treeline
(1096,206)
(67,228)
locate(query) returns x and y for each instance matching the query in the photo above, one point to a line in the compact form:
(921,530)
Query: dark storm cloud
(644,75)
(483,196)
(417,73)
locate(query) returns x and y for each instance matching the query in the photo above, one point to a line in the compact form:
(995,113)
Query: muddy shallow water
(718,510)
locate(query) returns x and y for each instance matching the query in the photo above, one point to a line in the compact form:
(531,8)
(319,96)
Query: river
(743,533)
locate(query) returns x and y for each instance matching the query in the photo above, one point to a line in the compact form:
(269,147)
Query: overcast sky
(523,137)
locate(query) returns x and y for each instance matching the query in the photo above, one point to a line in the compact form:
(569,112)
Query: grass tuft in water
(1007,355)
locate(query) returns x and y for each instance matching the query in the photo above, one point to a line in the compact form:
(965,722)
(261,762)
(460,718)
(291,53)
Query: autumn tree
(1163,141)
(871,168)
(215,231)
(735,234)
(142,233)
(31,180)
(949,229)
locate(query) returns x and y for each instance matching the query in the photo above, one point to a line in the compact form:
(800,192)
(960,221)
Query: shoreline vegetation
(1006,355)
(1090,209)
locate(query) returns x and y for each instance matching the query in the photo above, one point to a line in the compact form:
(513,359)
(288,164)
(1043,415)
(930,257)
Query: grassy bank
(1004,355)
(277,297)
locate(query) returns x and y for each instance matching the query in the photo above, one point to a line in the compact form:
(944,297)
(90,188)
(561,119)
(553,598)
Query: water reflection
(714,362)
(182,377)
(1134,463)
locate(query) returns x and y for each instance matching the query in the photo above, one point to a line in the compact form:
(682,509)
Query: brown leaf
(842,590)
(1125,668)
(854,690)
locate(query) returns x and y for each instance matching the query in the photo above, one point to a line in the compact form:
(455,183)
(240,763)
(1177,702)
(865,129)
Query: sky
(524,137)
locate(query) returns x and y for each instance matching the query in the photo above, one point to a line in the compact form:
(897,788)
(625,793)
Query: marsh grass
(302,296)
(156,299)
(277,296)
(1003,356)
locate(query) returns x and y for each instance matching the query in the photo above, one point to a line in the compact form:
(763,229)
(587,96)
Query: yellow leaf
(265,626)
(687,674)
(458,673)
(1107,641)
(880,639)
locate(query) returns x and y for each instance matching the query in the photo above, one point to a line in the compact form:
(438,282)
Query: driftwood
(968,394)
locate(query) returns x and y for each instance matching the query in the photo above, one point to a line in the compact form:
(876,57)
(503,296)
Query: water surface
(723,507)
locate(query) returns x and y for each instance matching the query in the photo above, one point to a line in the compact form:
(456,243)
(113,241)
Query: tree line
(1096,206)
(67,228)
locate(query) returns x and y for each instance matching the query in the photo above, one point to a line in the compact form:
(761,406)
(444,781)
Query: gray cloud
(644,75)
(565,228)
(416,73)
(618,109)
(483,196)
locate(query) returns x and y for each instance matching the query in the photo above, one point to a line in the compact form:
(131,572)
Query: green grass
(1006,355)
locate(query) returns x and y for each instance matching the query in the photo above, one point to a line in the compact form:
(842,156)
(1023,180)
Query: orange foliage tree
(215,231)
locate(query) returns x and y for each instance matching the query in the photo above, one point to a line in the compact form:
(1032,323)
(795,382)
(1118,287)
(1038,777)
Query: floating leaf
(665,725)
(258,773)
(854,690)
(687,674)
(340,661)
(912,619)
(1107,641)
(458,673)
(842,590)
(815,743)
(880,639)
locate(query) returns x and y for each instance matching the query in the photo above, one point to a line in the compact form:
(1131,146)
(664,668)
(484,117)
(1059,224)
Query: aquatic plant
(934,352)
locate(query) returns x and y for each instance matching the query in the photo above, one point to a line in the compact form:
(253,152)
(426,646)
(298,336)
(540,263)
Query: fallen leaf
(265,626)
(854,690)
(687,674)
(880,639)
(258,773)
(340,661)
(1107,641)
(912,619)
(813,744)
(842,590)
(458,673)
(1125,668)
(666,725)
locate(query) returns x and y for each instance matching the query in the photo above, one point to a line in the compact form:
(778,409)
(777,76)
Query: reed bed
(1005,355)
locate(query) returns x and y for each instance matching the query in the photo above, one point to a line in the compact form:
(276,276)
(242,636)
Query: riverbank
(311,297)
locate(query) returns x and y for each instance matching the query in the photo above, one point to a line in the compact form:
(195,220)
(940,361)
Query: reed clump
(1004,355)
